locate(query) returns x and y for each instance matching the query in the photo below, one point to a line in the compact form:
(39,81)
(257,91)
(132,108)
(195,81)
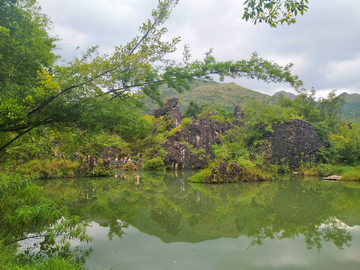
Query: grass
(348,173)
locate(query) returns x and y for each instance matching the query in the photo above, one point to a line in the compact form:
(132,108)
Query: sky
(323,45)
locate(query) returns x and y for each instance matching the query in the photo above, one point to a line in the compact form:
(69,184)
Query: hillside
(351,108)
(285,94)
(225,95)
(228,95)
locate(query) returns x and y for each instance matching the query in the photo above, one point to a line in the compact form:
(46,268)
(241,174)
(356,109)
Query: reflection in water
(165,205)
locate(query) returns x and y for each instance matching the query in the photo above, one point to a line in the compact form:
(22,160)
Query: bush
(352,174)
(185,123)
(100,170)
(129,166)
(51,168)
(155,164)
(201,177)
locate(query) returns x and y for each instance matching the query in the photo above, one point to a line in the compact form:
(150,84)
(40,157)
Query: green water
(160,221)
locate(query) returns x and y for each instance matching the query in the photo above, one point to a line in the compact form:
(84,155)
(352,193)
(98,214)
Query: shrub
(100,170)
(129,166)
(201,176)
(51,168)
(185,123)
(155,164)
(352,174)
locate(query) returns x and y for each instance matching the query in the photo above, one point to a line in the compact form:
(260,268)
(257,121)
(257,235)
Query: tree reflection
(167,206)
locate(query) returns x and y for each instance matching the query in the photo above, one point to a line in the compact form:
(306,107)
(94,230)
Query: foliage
(155,164)
(50,168)
(259,119)
(11,260)
(100,170)
(26,213)
(185,123)
(129,166)
(352,174)
(201,176)
(273,12)
(74,94)
(193,110)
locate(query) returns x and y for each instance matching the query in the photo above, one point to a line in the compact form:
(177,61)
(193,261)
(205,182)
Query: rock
(179,156)
(292,142)
(110,153)
(225,173)
(202,134)
(332,177)
(172,108)
(238,112)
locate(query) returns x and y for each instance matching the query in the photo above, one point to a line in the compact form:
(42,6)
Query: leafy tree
(304,105)
(63,94)
(26,213)
(330,108)
(273,12)
(193,110)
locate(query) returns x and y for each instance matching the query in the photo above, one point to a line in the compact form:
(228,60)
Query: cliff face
(292,142)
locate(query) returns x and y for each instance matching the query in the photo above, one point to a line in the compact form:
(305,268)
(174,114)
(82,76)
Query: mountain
(225,95)
(228,95)
(351,107)
(285,94)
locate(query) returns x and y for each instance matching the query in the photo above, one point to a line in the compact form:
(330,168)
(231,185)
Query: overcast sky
(324,44)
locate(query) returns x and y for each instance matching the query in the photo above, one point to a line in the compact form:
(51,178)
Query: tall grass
(51,168)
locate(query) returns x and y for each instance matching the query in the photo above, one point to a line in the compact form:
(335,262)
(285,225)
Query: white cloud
(323,44)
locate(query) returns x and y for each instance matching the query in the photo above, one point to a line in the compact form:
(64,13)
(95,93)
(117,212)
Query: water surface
(160,221)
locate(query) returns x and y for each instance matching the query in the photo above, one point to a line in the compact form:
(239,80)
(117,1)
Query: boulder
(293,142)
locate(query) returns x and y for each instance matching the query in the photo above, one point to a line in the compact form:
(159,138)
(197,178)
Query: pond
(160,221)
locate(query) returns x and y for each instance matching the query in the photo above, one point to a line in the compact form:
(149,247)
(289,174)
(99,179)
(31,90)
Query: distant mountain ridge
(228,95)
(225,95)
(285,94)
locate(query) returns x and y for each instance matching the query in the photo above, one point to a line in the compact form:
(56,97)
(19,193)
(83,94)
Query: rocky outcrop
(110,153)
(238,112)
(290,143)
(293,142)
(179,156)
(226,173)
(172,108)
(199,136)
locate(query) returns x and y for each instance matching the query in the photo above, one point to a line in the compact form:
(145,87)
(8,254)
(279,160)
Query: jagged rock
(292,142)
(225,173)
(179,156)
(202,134)
(238,112)
(110,153)
(170,107)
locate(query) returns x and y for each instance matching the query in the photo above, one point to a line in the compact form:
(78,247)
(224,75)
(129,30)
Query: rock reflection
(167,206)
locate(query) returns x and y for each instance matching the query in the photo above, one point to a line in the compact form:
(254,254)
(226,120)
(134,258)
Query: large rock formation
(172,108)
(201,134)
(293,142)
(290,143)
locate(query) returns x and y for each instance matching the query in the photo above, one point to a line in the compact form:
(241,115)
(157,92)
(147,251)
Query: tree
(193,110)
(330,108)
(274,12)
(26,213)
(62,94)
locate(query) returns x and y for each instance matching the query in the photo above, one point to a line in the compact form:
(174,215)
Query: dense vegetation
(56,121)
